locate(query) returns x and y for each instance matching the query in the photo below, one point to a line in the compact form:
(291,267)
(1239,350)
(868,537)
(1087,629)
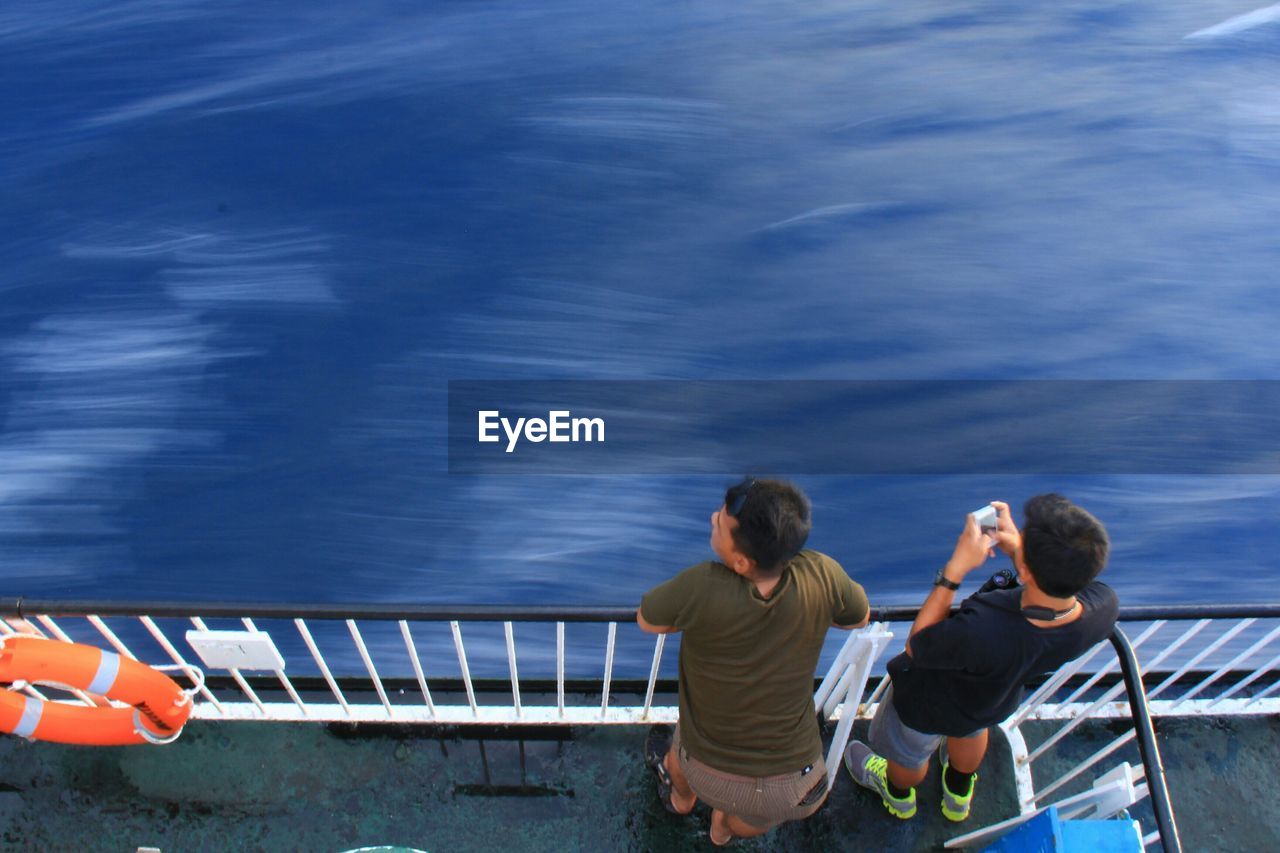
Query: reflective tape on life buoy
(158,707)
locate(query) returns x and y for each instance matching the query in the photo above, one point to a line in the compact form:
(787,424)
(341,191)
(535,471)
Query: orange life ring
(158,710)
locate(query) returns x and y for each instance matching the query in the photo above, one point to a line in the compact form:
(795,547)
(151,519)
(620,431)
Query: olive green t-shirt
(747,662)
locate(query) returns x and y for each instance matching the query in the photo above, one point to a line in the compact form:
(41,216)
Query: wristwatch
(941,579)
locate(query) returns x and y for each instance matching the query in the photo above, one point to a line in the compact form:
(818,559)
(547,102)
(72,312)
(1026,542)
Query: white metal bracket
(236,650)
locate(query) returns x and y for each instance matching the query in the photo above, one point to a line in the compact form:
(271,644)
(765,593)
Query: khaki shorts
(761,802)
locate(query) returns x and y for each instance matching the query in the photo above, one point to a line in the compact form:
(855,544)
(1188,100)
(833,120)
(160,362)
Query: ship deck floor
(272,786)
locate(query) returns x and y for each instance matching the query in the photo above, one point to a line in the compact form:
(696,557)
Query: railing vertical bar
(284,679)
(1108,667)
(653,673)
(177,658)
(560,668)
(1181,641)
(30,689)
(846,656)
(57,631)
(1264,694)
(417,665)
(1201,655)
(608,668)
(54,628)
(1083,766)
(36,630)
(368,664)
(248,691)
(1044,690)
(115,641)
(1049,686)
(511,664)
(881,687)
(7,626)
(320,662)
(1073,723)
(1227,667)
(462,664)
(235,674)
(1106,697)
(1240,685)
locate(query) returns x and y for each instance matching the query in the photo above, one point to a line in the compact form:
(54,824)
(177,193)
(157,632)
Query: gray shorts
(761,802)
(897,741)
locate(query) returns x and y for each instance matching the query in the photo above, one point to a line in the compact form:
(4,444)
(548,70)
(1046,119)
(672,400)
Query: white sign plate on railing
(236,650)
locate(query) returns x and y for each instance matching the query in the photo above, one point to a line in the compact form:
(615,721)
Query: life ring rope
(195,673)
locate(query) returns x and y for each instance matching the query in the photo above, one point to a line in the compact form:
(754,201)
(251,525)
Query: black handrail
(1147,747)
(510,612)
(24,607)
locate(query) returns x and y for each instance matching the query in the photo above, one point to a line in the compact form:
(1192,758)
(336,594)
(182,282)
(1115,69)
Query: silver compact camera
(986,518)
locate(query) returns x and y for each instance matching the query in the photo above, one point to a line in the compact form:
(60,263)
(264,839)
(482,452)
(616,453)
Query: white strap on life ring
(197,679)
(146,734)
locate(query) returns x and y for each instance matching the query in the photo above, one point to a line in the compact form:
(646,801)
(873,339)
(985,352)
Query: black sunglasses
(738,502)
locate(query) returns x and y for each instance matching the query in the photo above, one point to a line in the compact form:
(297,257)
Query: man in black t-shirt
(964,672)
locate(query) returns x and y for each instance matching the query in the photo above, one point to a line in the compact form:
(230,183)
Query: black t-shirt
(967,672)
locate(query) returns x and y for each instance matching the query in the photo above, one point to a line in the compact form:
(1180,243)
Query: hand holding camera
(972,549)
(985,529)
(1004,533)
(995,521)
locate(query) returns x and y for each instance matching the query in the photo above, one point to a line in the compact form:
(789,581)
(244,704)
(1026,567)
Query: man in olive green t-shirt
(754,623)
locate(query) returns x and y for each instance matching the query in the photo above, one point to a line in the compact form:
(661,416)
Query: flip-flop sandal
(656,747)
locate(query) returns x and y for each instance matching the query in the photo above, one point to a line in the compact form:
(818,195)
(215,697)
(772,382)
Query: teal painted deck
(264,786)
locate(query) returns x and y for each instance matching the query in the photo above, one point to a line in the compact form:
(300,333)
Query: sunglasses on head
(738,502)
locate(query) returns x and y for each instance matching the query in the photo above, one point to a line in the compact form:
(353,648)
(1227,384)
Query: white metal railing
(420,669)
(1206,666)
(250,693)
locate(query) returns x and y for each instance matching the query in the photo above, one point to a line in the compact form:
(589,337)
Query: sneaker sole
(900,815)
(943,762)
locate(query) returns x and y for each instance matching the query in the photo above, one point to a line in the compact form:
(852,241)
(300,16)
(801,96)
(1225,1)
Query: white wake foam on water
(1238,24)
(625,117)
(829,212)
(1254,121)
(209,268)
(25,23)
(286,283)
(565,328)
(93,395)
(316,61)
(99,393)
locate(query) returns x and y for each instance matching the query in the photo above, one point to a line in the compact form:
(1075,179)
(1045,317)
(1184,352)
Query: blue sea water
(246,248)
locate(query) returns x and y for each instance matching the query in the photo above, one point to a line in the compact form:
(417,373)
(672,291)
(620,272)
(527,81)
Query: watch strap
(942,580)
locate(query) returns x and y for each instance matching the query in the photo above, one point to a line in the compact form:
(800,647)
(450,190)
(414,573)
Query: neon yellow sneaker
(871,771)
(955,807)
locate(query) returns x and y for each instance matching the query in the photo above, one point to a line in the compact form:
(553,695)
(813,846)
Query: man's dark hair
(1064,547)
(773,521)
